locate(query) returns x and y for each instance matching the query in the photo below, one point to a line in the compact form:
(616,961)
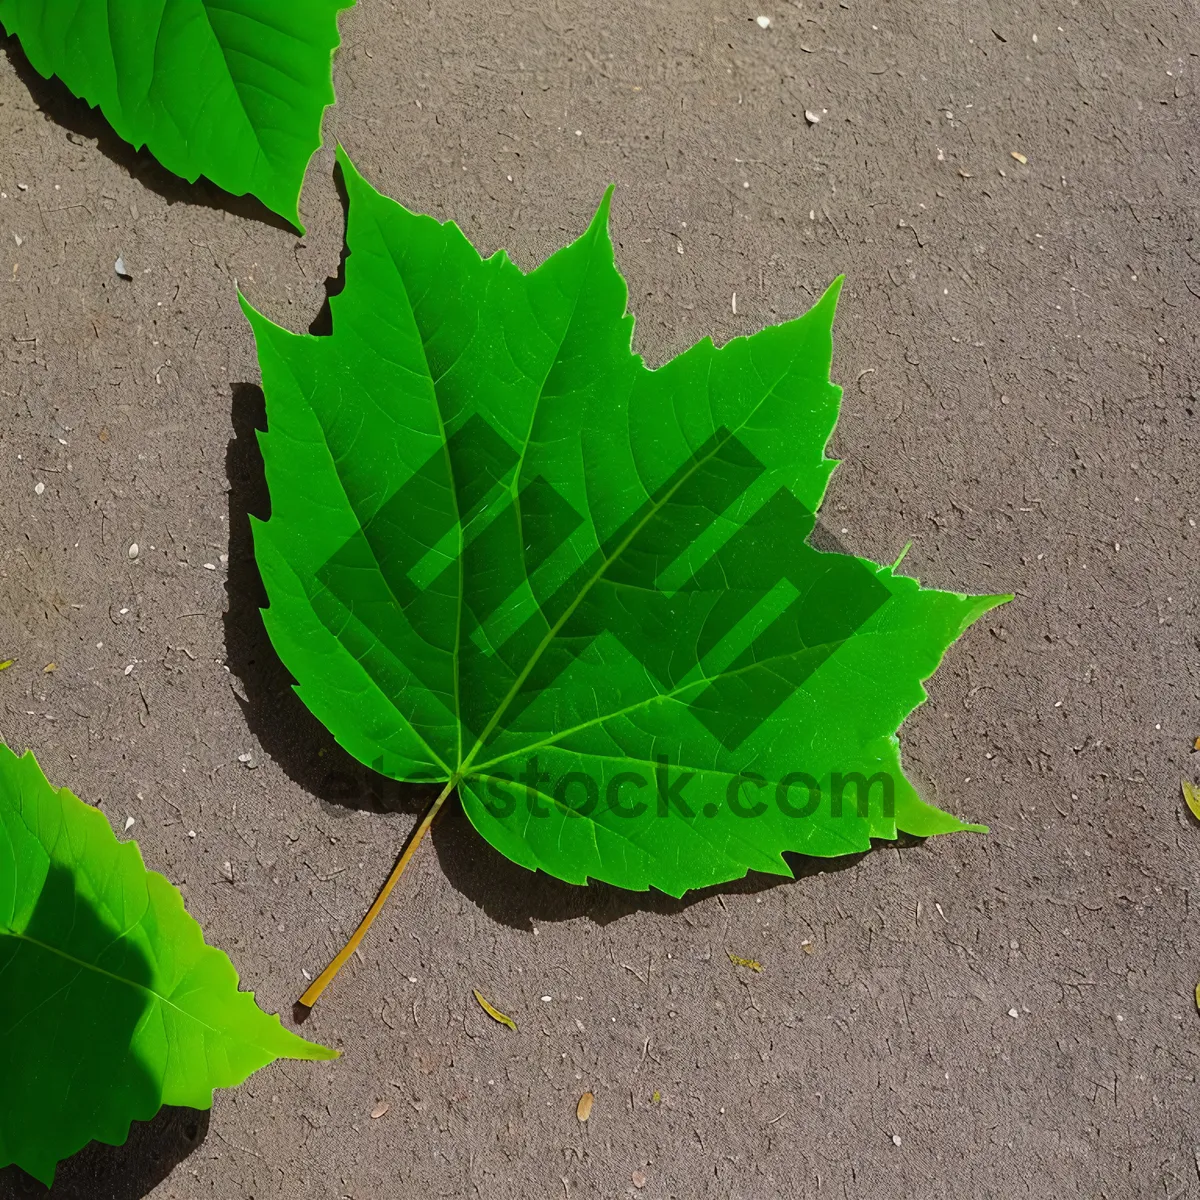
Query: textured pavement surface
(999,1016)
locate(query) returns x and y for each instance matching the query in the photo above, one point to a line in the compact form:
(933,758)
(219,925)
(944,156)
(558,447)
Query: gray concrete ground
(998,1016)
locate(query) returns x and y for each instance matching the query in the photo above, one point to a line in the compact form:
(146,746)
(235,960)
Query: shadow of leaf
(83,124)
(87,1083)
(516,897)
(129,1172)
(276,716)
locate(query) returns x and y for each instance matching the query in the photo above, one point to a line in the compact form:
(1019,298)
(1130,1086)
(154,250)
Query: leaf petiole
(322,981)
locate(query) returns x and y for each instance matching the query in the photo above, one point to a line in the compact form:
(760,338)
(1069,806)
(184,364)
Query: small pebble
(120,269)
(813,118)
(380,1110)
(133,550)
(639,1180)
(129,821)
(39,487)
(895,1139)
(1012,1012)
(763,22)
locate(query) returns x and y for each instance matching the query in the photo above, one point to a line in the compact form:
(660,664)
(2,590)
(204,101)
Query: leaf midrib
(98,970)
(458,523)
(260,149)
(672,694)
(553,632)
(463,767)
(541,392)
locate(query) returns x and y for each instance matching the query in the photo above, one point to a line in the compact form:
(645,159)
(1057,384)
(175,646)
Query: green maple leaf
(111,1005)
(230,89)
(505,555)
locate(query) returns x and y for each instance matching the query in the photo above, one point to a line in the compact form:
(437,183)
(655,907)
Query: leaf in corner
(505,555)
(1191,797)
(111,1004)
(233,90)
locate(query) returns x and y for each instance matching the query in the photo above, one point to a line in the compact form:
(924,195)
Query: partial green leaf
(111,1005)
(505,554)
(1191,797)
(230,89)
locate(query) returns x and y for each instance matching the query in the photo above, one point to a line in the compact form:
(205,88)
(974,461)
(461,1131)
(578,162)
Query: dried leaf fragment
(583,1109)
(494,1013)
(751,963)
(49,667)
(1019,157)
(656,1098)
(8,662)
(1191,797)
(1196,744)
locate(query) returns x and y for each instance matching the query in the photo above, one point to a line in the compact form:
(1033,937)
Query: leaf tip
(902,556)
(600,220)
(247,308)
(829,298)
(350,173)
(980,605)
